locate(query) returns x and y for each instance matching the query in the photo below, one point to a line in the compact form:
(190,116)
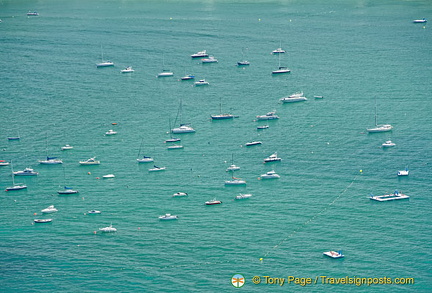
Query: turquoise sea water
(351,52)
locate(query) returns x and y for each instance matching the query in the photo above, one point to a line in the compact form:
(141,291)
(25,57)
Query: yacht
(296,97)
(270,175)
(156,169)
(333,254)
(68,190)
(210,59)
(388,197)
(272,158)
(420,20)
(145,159)
(108,229)
(49,210)
(26,172)
(110,132)
(388,143)
(66,147)
(200,54)
(212,202)
(235,181)
(201,82)
(243,196)
(403,172)
(51,161)
(94,212)
(168,217)
(268,116)
(184,128)
(178,194)
(91,161)
(42,220)
(127,70)
(253,143)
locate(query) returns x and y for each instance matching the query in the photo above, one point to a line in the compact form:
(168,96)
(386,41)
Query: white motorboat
(403,172)
(296,97)
(268,116)
(108,229)
(168,217)
(49,210)
(67,190)
(420,20)
(145,159)
(210,59)
(235,181)
(278,51)
(42,220)
(4,163)
(50,161)
(66,147)
(272,158)
(94,212)
(253,143)
(32,13)
(91,161)
(243,63)
(108,176)
(201,82)
(175,147)
(333,254)
(110,132)
(212,202)
(156,169)
(233,168)
(388,143)
(243,196)
(318,97)
(179,194)
(200,54)
(14,138)
(127,70)
(262,127)
(26,172)
(183,128)
(270,175)
(388,197)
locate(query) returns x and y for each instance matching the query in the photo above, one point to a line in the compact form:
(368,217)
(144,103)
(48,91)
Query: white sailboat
(104,63)
(15,186)
(222,116)
(232,167)
(165,72)
(183,128)
(66,189)
(144,159)
(381,127)
(243,62)
(281,69)
(50,160)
